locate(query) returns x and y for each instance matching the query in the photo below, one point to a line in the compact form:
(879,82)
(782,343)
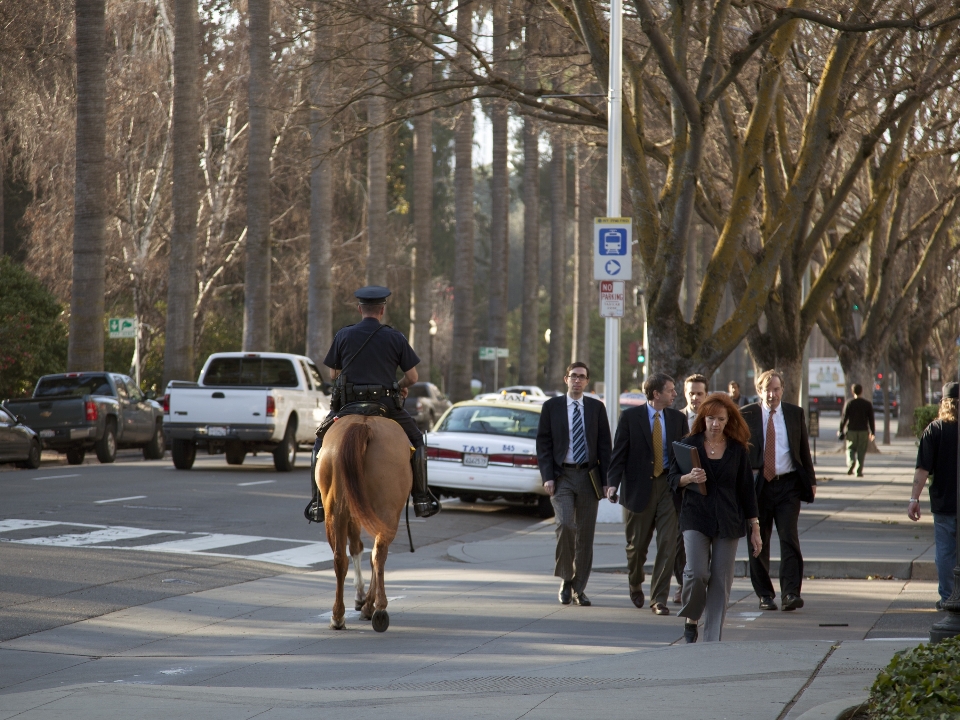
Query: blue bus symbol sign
(613,242)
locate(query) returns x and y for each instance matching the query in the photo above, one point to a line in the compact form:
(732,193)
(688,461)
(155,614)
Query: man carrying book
(573,452)
(641,457)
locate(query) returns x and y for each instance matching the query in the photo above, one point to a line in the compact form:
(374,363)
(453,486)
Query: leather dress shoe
(581,599)
(566,592)
(792,602)
(636,596)
(677,599)
(659,608)
(690,633)
(767,603)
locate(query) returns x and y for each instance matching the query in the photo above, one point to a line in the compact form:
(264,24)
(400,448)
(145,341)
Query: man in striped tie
(573,442)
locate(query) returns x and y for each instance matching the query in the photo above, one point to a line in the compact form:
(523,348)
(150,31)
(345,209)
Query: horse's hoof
(381,620)
(365,614)
(337,624)
(358,605)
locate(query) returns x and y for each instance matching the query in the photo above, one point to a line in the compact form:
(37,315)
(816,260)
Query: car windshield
(251,372)
(77,386)
(491,420)
(418,391)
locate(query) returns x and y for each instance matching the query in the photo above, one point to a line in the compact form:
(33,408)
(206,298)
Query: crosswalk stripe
(302,553)
(109,534)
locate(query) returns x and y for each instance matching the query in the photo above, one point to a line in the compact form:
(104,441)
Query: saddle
(370,408)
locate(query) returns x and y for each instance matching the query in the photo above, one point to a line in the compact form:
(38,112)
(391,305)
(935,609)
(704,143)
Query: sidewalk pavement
(476,631)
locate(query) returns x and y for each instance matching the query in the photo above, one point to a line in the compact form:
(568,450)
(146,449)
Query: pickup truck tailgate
(41,414)
(219,406)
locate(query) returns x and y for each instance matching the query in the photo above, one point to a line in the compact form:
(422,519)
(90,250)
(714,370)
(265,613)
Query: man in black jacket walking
(856,425)
(573,441)
(780,456)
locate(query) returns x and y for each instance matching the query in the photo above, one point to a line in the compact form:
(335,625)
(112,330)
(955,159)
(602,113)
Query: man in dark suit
(573,441)
(780,455)
(641,457)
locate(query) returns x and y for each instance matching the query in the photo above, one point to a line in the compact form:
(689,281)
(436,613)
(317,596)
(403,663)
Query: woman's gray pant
(707,579)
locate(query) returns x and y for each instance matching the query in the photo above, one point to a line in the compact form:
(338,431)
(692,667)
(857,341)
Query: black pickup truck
(76,412)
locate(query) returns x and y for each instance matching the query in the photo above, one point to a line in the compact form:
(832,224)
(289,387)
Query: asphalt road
(217,524)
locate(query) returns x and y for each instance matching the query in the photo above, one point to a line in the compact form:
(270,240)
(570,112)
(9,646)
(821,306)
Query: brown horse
(364,476)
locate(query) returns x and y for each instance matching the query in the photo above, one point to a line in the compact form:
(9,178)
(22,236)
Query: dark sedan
(18,443)
(425,403)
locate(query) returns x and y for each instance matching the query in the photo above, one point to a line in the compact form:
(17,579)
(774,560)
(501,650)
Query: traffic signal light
(641,355)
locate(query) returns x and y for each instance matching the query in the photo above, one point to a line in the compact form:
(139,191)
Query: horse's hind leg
(356,553)
(336,535)
(381,620)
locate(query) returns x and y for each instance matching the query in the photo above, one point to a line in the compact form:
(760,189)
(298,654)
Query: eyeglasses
(578,378)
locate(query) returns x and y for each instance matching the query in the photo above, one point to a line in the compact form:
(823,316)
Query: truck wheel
(75,455)
(33,459)
(235,453)
(544,507)
(285,454)
(184,453)
(154,449)
(107,445)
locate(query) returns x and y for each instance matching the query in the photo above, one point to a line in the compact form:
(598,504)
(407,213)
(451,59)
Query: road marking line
(258,482)
(56,477)
(109,534)
(132,497)
(303,556)
(11,525)
(205,542)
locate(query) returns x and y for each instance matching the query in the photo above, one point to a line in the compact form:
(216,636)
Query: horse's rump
(350,470)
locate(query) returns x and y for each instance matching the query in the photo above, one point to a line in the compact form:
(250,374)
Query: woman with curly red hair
(713,523)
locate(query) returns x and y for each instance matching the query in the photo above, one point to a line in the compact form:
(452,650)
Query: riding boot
(424,503)
(313,512)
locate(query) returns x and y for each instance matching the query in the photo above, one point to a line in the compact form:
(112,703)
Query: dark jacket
(797,438)
(937,455)
(857,416)
(631,465)
(553,436)
(730,498)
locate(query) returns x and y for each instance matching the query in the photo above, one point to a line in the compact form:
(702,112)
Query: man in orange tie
(780,455)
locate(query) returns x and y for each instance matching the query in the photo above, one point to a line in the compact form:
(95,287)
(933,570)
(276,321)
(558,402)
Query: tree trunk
(530,322)
(89,225)
(256,317)
(320,288)
(376,164)
(178,353)
(910,373)
(423,216)
(583,256)
(499,198)
(463,340)
(556,356)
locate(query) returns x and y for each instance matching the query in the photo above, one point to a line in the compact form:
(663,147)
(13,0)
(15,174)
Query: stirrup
(424,507)
(313,512)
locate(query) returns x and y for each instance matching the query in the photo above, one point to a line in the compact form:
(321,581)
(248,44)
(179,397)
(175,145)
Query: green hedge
(923,416)
(920,683)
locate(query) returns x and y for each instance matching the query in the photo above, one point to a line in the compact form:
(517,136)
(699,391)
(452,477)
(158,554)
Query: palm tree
(556,356)
(85,351)
(530,325)
(499,192)
(256,316)
(320,295)
(422,209)
(463,341)
(178,354)
(582,255)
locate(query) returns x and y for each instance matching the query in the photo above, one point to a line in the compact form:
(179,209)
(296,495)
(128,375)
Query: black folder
(688,458)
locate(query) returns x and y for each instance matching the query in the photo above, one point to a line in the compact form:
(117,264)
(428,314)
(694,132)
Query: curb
(836,710)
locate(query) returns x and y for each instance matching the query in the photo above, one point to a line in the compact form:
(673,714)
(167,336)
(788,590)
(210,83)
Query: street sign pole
(611,333)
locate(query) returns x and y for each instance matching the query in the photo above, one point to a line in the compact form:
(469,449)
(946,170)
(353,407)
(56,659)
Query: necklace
(711,448)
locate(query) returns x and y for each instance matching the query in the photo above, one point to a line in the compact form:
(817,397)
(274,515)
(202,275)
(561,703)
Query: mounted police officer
(363,360)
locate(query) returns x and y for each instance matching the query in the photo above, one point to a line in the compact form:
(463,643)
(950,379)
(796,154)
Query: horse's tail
(353,447)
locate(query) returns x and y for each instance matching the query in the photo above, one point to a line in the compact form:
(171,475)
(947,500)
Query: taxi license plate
(47,433)
(216,431)
(475,460)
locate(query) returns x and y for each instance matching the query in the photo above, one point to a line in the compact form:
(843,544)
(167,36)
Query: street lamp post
(950,626)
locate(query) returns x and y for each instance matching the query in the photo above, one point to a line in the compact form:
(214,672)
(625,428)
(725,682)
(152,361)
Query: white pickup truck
(246,402)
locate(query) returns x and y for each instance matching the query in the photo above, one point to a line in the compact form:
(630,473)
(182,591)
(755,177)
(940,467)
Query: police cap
(951,390)
(372,294)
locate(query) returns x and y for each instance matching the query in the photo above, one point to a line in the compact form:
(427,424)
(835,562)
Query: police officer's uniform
(374,365)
